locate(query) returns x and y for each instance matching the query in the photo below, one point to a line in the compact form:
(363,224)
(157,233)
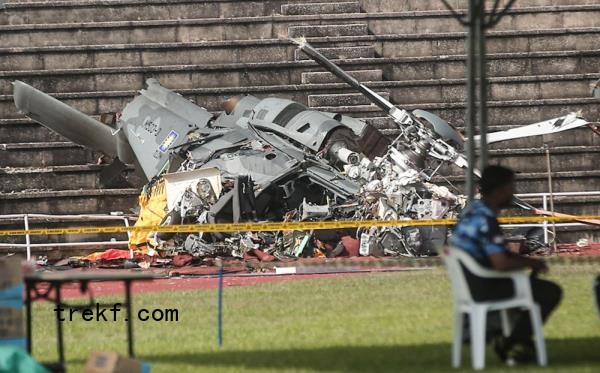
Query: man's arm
(508,261)
(501,258)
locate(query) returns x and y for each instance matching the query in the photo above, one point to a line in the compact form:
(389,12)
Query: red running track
(186,283)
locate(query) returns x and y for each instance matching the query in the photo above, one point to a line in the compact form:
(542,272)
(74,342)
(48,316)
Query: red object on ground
(110,254)
(254,254)
(262,256)
(181,260)
(351,246)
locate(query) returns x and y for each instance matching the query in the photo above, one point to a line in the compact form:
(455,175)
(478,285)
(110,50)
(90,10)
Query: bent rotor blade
(546,127)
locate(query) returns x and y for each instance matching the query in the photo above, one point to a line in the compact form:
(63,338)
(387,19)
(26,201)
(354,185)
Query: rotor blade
(63,119)
(400,116)
(344,76)
(546,127)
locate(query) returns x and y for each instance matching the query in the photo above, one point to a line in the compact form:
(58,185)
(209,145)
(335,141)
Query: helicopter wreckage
(274,159)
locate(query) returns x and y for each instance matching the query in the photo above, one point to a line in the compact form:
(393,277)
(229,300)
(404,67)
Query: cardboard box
(111,362)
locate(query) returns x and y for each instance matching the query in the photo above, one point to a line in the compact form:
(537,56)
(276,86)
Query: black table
(55,281)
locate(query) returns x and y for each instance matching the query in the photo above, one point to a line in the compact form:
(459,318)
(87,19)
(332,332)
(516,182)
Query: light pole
(477,21)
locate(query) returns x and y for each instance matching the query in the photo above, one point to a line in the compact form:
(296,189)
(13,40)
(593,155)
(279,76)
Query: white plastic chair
(477,311)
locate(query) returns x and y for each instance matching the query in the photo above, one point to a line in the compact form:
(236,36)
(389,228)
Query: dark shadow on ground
(427,357)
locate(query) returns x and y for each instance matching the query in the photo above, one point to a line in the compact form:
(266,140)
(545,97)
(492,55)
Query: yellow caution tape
(283,226)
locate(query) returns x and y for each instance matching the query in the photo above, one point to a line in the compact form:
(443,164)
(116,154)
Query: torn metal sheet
(156,121)
(177,183)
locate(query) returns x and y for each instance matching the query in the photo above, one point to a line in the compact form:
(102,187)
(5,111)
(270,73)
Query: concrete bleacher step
(570,181)
(68,201)
(379,6)
(40,154)
(537,182)
(36,11)
(500,89)
(419,73)
(191,30)
(449,46)
(292,72)
(363,51)
(515,112)
(152,54)
(172,30)
(21,131)
(328,30)
(564,158)
(74,11)
(571,168)
(321,8)
(499,65)
(14,179)
(342,99)
(326,77)
(445,44)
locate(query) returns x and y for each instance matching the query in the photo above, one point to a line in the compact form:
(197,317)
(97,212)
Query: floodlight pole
(483,84)
(477,21)
(472,42)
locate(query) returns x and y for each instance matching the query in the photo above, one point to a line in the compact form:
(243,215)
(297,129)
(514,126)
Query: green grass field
(378,322)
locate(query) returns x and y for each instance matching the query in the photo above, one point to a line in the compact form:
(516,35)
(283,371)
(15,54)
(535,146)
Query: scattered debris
(273,159)
(576,249)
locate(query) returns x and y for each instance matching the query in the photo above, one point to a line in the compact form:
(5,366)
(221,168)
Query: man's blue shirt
(478,232)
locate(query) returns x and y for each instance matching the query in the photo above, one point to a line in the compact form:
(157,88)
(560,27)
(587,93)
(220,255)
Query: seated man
(479,234)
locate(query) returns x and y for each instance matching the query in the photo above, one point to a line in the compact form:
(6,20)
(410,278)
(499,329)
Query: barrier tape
(282,226)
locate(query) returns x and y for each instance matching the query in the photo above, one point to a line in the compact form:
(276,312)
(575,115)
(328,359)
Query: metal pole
(482,67)
(27,237)
(129,319)
(548,166)
(59,326)
(220,307)
(471,96)
(545,225)
(128,237)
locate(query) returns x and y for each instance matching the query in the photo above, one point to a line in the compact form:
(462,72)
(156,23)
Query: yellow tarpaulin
(153,206)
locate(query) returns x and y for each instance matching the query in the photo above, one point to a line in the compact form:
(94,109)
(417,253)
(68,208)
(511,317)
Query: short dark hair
(494,177)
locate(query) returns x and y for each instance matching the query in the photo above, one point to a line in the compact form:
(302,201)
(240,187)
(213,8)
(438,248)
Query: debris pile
(275,160)
(244,172)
